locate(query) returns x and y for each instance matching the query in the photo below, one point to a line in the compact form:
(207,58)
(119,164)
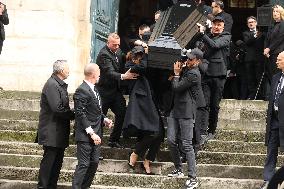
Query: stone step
(20,104)
(19,115)
(242,114)
(204,157)
(226,124)
(258,105)
(20,96)
(240,144)
(120,166)
(223,135)
(12,184)
(131,180)
(22,112)
(242,125)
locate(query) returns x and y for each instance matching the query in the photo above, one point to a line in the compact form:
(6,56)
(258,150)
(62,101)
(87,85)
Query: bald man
(89,119)
(274,137)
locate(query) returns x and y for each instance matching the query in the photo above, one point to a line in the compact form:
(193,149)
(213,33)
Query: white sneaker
(191,183)
(176,173)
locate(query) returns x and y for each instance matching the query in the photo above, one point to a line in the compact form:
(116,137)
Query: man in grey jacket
(216,52)
(54,125)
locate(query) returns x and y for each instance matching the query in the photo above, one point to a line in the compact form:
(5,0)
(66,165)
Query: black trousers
(50,166)
(149,141)
(254,73)
(271,67)
(118,106)
(88,160)
(213,89)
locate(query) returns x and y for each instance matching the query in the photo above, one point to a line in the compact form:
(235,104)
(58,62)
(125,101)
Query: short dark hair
(251,17)
(143,26)
(219,3)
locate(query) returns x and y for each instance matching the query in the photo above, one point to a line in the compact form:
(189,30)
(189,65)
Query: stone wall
(39,33)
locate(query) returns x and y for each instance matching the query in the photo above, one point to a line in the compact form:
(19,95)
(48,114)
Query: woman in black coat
(274,43)
(142,118)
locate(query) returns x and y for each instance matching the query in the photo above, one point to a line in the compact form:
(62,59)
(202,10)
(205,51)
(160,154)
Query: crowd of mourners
(214,68)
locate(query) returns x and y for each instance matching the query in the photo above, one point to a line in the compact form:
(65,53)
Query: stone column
(39,33)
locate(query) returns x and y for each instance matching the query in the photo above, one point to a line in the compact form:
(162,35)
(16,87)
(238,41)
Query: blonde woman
(274,43)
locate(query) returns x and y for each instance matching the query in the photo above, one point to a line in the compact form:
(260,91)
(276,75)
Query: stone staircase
(233,160)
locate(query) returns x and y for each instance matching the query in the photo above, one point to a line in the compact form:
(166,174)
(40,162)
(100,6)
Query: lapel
(115,61)
(92,94)
(277,78)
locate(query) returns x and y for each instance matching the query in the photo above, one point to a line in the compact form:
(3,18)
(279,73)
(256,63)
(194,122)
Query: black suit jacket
(111,69)
(4,20)
(274,83)
(216,52)
(275,39)
(184,104)
(88,113)
(253,46)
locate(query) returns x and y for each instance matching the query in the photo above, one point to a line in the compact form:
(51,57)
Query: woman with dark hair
(274,43)
(142,118)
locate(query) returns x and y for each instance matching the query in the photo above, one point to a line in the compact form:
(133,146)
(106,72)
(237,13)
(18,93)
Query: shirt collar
(60,81)
(91,85)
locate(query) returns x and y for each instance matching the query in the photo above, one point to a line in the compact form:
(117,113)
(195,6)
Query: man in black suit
(185,84)
(88,127)
(216,49)
(218,10)
(54,125)
(4,20)
(274,122)
(254,58)
(109,85)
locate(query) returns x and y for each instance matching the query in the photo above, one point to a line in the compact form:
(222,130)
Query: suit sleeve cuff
(89,130)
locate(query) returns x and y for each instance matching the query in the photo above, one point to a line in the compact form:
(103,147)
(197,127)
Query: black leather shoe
(115,145)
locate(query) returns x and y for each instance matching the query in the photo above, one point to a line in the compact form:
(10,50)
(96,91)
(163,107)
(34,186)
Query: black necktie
(97,95)
(278,92)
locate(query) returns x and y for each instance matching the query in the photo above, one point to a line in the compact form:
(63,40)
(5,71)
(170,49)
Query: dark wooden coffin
(175,30)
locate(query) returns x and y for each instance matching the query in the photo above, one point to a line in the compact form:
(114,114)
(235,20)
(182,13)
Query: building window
(242,3)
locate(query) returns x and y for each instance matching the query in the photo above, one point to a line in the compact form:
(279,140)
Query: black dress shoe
(143,168)
(115,145)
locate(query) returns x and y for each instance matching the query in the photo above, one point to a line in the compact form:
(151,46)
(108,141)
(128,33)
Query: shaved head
(90,69)
(92,72)
(280,61)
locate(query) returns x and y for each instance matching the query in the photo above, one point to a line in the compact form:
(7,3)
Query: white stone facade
(39,33)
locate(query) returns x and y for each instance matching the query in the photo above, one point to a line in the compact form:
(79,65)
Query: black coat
(88,113)
(4,20)
(228,21)
(55,114)
(274,83)
(254,46)
(184,104)
(275,39)
(111,68)
(217,52)
(197,90)
(141,113)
